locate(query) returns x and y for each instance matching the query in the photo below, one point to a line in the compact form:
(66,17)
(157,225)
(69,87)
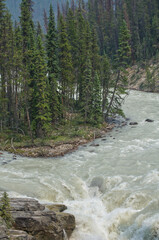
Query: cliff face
(33,221)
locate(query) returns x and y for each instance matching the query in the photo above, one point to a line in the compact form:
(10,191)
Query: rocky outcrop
(3,230)
(33,221)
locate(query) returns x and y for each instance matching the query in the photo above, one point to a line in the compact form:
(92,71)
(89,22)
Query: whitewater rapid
(112,189)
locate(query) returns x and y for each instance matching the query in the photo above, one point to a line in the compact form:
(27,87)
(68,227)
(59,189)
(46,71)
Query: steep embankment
(145,76)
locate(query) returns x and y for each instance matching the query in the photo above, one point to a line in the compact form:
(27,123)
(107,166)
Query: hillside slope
(145,76)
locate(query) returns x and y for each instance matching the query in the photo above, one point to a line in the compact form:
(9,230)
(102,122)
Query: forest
(74,70)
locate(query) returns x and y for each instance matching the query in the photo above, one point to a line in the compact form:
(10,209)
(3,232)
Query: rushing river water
(112,189)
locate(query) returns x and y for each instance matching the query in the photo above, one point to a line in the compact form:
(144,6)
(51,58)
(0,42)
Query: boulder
(67,221)
(149,120)
(56,207)
(133,123)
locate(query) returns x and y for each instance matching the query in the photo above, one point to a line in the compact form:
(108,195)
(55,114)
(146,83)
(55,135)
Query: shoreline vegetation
(62,141)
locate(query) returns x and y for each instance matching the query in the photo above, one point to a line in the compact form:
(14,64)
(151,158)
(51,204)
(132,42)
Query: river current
(112,189)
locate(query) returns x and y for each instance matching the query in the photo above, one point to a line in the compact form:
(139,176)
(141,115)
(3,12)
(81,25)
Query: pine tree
(65,61)
(97,101)
(71,24)
(53,68)
(87,90)
(105,80)
(119,84)
(6,69)
(40,99)
(3,112)
(82,29)
(5,210)
(17,75)
(27,30)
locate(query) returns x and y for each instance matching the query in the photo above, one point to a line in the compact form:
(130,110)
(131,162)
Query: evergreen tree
(40,99)
(17,75)
(82,51)
(27,30)
(5,210)
(97,101)
(71,24)
(66,66)
(105,80)
(119,84)
(53,68)
(87,90)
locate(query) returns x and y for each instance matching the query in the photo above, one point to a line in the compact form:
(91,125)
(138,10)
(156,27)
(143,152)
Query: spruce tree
(53,68)
(87,90)
(66,66)
(81,51)
(5,210)
(120,82)
(96,100)
(40,99)
(105,81)
(18,75)
(27,30)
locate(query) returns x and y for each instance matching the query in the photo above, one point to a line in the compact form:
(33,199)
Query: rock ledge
(33,221)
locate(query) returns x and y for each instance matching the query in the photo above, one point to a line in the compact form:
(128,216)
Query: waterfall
(65,235)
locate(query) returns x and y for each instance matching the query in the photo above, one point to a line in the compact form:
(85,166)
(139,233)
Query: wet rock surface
(133,123)
(33,221)
(149,120)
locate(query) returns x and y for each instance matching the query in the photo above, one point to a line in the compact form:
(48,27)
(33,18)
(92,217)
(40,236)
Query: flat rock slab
(25,204)
(19,235)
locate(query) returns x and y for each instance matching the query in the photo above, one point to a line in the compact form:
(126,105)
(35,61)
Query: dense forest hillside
(75,71)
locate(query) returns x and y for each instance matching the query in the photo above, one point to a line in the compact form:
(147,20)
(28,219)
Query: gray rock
(19,235)
(25,204)
(3,231)
(149,120)
(133,123)
(33,222)
(42,225)
(67,221)
(56,207)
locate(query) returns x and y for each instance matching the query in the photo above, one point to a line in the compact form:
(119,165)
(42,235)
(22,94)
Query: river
(112,189)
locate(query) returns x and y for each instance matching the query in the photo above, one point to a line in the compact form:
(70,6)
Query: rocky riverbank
(34,221)
(52,148)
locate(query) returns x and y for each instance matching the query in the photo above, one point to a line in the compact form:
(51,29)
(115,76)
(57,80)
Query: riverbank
(60,142)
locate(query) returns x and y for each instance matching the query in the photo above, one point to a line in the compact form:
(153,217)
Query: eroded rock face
(32,221)
(3,230)
(42,225)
